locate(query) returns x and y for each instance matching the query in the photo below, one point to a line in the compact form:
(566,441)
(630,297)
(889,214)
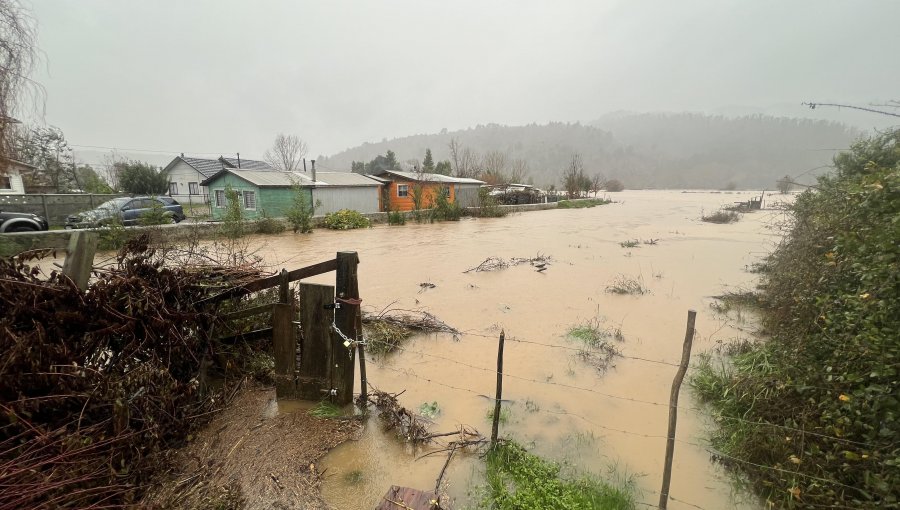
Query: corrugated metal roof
(209,167)
(344,179)
(414,176)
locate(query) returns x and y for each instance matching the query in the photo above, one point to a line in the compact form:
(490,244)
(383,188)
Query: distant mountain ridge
(651,150)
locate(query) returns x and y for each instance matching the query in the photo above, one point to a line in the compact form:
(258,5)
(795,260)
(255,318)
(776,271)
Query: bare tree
(287,153)
(494,168)
(597,182)
(17,60)
(466,162)
(518,170)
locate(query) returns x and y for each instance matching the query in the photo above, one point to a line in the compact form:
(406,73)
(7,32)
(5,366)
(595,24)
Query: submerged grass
(518,479)
(583,203)
(627,285)
(721,216)
(326,410)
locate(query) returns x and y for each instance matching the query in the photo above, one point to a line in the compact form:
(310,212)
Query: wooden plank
(315,345)
(405,498)
(285,343)
(272,281)
(343,358)
(80,257)
(296,274)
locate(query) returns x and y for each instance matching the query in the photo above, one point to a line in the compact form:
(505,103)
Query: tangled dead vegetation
(497,263)
(96,385)
(388,329)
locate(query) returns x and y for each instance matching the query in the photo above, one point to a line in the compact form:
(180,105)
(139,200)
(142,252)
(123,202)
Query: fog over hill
(650,150)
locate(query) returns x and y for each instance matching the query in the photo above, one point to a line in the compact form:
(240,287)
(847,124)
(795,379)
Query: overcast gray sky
(222,76)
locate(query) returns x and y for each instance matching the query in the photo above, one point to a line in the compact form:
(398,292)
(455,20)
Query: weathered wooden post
(342,351)
(80,257)
(495,427)
(673,409)
(284,341)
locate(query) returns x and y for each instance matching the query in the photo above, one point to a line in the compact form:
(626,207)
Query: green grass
(631,243)
(581,204)
(519,480)
(326,410)
(505,414)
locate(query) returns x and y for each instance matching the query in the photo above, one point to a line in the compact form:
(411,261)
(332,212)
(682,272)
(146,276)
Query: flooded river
(560,405)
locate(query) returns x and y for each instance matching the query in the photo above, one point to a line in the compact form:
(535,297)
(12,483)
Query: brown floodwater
(550,410)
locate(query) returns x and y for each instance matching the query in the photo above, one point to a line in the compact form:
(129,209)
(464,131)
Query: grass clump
(325,409)
(346,219)
(517,479)
(631,243)
(817,404)
(721,216)
(626,285)
(598,349)
(582,204)
(505,415)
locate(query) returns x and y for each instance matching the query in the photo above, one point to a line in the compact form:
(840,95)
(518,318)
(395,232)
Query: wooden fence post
(80,257)
(284,288)
(342,356)
(673,409)
(285,347)
(495,427)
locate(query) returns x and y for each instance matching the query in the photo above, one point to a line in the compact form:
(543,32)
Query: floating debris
(497,263)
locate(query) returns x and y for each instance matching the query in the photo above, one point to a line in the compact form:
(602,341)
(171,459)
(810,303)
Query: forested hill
(642,150)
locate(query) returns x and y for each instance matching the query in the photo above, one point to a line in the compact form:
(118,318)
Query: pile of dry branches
(386,330)
(94,385)
(408,425)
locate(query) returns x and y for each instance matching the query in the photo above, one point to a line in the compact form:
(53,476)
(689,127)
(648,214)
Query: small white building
(11,177)
(186,175)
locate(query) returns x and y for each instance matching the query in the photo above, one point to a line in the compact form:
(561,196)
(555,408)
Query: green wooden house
(274,192)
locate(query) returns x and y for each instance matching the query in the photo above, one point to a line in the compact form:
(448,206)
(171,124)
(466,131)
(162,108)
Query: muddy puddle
(560,404)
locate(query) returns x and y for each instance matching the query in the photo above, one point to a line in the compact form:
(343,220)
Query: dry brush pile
(94,385)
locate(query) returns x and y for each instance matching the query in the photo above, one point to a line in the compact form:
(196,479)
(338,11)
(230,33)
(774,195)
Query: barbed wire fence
(665,495)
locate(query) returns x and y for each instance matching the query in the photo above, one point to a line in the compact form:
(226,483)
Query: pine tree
(428,163)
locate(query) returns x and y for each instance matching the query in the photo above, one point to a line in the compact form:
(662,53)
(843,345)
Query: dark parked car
(127,210)
(21,222)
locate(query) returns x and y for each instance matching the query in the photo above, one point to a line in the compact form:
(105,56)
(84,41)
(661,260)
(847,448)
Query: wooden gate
(330,321)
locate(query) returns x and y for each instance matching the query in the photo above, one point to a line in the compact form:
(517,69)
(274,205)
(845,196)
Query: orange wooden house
(400,187)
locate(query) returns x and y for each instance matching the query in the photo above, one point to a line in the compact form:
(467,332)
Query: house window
(193,188)
(402,190)
(220,198)
(445,191)
(250,200)
(5,182)
(173,188)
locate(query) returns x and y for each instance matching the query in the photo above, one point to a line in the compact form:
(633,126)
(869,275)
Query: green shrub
(346,219)
(266,224)
(233,224)
(820,398)
(301,211)
(396,218)
(488,206)
(445,210)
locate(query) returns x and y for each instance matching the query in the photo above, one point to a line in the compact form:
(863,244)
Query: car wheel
(22,228)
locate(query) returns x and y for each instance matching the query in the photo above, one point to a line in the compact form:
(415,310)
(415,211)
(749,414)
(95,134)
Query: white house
(11,177)
(186,175)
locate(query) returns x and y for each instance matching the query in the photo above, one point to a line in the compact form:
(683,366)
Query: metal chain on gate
(349,343)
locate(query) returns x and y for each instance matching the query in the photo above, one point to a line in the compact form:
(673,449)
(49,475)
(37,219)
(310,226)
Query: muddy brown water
(590,430)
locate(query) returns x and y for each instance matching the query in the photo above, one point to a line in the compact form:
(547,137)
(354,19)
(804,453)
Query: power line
(145,150)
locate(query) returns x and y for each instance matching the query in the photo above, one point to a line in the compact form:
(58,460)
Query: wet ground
(561,405)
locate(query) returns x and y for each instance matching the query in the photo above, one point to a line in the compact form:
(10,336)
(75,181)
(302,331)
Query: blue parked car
(128,210)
